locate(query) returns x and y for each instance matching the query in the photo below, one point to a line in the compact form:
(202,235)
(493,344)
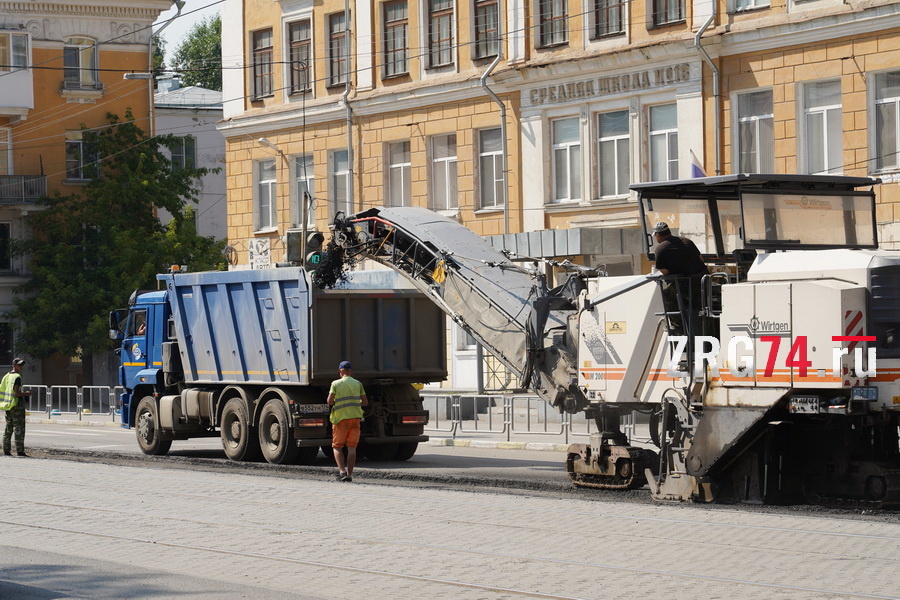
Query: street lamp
(303,201)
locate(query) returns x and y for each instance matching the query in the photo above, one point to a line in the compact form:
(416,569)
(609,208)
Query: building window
(444,194)
(396,47)
(440,33)
(184,153)
(553,22)
(262,64)
(338,66)
(82,162)
(5,151)
(490,168)
(663,142)
(822,123)
(666,12)
(266,215)
(464,340)
(6,345)
(340,181)
(300,34)
(306,188)
(566,160)
(609,17)
(80,64)
(487,28)
(740,5)
(13,51)
(613,151)
(887,120)
(399,178)
(756,138)
(5,255)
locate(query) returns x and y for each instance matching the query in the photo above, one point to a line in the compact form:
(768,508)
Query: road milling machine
(778,384)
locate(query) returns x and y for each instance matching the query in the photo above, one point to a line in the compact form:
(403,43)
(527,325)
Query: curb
(534,446)
(86,423)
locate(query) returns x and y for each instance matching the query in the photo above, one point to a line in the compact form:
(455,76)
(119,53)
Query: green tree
(90,250)
(198,58)
(159,56)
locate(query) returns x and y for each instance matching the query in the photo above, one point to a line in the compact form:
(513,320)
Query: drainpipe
(503,149)
(179,4)
(345,98)
(716,85)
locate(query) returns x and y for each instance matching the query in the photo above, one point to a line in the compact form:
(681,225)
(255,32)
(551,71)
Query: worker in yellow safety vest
(346,398)
(10,401)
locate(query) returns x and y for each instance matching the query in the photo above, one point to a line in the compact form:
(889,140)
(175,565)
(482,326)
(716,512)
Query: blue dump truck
(249,356)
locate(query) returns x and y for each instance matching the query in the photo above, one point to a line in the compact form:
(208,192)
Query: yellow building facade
(61,67)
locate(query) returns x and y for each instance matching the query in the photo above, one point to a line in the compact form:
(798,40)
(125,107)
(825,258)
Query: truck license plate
(804,404)
(312,409)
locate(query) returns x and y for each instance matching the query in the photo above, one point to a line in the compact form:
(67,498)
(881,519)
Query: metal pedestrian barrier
(61,400)
(511,415)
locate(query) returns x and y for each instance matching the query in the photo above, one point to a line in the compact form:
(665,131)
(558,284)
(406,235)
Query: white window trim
(286,20)
(735,128)
(12,55)
(822,110)
(667,132)
(6,147)
(295,190)
(595,160)
(444,164)
(333,175)
(498,154)
(567,148)
(257,198)
(757,5)
(405,169)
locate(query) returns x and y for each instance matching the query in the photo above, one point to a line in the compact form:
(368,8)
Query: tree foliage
(89,251)
(198,58)
(159,56)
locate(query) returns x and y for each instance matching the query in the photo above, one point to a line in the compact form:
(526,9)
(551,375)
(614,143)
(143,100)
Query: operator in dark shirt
(679,256)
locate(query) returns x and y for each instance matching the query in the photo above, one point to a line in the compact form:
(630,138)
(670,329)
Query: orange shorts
(345,433)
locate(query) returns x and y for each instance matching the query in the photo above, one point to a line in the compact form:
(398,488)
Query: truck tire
(146,426)
(276,436)
(238,436)
(406,450)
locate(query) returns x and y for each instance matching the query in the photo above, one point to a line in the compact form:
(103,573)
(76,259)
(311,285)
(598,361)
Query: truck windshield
(693,219)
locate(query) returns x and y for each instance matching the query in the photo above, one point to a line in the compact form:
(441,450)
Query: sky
(179,28)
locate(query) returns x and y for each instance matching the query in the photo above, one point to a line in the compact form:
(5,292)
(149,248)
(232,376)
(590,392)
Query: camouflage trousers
(15,421)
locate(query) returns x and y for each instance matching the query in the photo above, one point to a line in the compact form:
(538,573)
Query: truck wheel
(238,437)
(276,437)
(380,452)
(147,428)
(406,450)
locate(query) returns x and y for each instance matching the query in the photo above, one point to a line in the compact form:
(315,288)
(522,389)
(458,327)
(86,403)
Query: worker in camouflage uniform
(12,401)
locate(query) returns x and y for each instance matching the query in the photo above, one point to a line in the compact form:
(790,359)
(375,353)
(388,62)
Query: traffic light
(313,259)
(314,241)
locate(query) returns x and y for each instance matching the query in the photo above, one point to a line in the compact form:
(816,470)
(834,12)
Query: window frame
(619,156)
(262,61)
(395,39)
(669,134)
(601,7)
(825,111)
(486,41)
(449,165)
(667,12)
(338,61)
(6,147)
(734,5)
(334,177)
(16,60)
(305,180)
(6,261)
(83,156)
(572,150)
(76,76)
(553,21)
(398,195)
(878,164)
(266,213)
(184,153)
(756,120)
(439,46)
(299,54)
(496,158)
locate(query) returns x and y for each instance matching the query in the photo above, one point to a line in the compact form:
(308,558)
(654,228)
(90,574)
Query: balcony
(22,189)
(17,94)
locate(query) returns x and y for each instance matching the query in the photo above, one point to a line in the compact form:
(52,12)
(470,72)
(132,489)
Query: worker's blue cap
(345,365)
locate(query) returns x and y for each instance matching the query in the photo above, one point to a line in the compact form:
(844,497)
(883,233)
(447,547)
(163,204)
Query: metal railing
(510,415)
(22,188)
(72,400)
